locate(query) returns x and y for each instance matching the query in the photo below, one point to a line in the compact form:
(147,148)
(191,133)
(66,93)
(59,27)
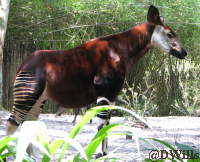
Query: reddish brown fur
(70,75)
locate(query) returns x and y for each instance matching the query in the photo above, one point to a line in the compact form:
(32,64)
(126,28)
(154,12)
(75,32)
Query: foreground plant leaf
(32,132)
(89,115)
(83,121)
(99,137)
(190,152)
(5,141)
(77,146)
(177,155)
(5,147)
(55,145)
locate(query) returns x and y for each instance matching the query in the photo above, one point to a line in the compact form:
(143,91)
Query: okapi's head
(163,36)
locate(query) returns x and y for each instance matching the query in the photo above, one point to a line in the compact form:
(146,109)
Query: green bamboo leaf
(132,113)
(89,115)
(186,147)
(83,121)
(157,160)
(194,160)
(1,159)
(77,158)
(12,149)
(99,137)
(44,146)
(163,142)
(28,159)
(3,156)
(55,145)
(4,142)
(77,146)
(86,118)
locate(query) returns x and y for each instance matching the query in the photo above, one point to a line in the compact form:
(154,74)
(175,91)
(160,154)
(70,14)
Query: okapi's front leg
(29,97)
(104,117)
(76,112)
(108,86)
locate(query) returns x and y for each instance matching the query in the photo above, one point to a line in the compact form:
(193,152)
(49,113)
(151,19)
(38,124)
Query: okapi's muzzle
(181,54)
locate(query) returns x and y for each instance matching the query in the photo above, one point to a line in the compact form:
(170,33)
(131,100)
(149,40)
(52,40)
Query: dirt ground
(185,130)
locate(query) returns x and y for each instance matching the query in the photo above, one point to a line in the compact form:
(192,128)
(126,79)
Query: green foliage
(37,135)
(99,137)
(189,150)
(6,148)
(84,120)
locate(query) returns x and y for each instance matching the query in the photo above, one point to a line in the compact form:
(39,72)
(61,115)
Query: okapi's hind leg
(76,112)
(29,97)
(104,117)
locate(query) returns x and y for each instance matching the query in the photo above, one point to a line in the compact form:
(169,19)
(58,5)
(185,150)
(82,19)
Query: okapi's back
(69,79)
(67,75)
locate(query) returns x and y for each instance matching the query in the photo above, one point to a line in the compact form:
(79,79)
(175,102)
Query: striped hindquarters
(25,95)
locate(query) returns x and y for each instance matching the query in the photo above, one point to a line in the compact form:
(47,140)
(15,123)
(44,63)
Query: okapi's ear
(153,16)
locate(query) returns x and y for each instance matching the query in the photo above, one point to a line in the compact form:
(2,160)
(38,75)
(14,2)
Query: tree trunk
(4,10)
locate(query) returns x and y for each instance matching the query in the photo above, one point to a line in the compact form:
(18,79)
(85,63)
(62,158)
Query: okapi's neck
(136,42)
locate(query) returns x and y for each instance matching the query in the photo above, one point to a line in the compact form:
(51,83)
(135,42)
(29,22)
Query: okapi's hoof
(100,155)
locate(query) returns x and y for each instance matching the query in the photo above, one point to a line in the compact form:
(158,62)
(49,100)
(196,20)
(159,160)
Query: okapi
(76,77)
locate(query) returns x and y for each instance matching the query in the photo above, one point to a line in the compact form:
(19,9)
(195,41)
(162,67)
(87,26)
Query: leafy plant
(35,133)
(37,136)
(6,147)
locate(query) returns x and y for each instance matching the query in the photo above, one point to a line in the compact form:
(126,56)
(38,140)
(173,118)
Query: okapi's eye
(170,35)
